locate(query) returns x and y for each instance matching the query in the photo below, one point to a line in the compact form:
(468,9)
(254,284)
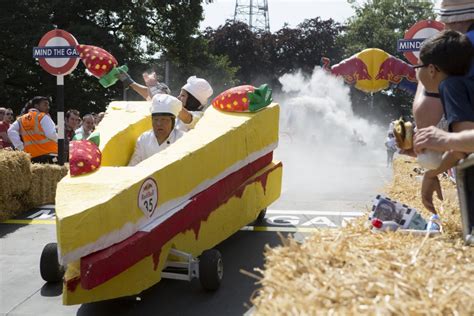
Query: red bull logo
(394,70)
(352,70)
(372,70)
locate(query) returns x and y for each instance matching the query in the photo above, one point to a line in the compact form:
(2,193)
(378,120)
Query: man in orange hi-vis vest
(35,132)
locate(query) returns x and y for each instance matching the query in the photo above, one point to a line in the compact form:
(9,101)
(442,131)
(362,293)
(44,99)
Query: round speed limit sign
(148,197)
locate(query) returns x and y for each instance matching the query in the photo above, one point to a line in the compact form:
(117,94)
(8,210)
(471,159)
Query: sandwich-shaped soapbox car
(121,229)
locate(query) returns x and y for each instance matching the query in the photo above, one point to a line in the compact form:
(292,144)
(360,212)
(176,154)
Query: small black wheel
(211,269)
(50,269)
(261,216)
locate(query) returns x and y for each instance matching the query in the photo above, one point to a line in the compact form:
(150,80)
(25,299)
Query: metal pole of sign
(60,106)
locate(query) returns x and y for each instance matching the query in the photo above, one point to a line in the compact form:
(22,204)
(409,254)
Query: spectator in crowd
(35,132)
(9,117)
(391,146)
(87,126)
(4,126)
(99,118)
(73,121)
(164,110)
(427,107)
(443,63)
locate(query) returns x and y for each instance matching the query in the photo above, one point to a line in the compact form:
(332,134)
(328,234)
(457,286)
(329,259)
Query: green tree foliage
(379,24)
(264,57)
(303,47)
(168,28)
(242,46)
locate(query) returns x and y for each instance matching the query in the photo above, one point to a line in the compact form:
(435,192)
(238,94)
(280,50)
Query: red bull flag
(372,70)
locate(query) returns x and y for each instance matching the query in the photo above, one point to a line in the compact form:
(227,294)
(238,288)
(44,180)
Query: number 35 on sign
(148,197)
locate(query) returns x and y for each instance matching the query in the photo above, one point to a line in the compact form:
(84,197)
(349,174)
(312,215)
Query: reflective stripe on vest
(34,139)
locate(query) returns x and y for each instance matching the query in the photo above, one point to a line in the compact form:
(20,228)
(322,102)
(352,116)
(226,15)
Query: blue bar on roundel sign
(412,45)
(55,52)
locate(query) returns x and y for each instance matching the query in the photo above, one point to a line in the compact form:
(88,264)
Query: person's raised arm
(185,116)
(128,82)
(435,139)
(430,182)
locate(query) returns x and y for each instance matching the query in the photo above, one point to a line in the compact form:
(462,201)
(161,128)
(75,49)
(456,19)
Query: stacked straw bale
(15,181)
(24,185)
(352,271)
(43,183)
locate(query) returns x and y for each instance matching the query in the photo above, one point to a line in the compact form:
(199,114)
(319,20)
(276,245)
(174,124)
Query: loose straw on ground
(352,271)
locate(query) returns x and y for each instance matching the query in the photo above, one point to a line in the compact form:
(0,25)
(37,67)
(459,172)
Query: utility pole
(254,13)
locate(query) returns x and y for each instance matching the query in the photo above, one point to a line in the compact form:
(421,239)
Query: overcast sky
(292,12)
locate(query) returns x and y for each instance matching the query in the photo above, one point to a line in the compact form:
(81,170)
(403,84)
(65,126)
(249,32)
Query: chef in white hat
(164,110)
(194,96)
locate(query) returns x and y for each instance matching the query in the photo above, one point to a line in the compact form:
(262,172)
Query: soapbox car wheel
(50,269)
(211,269)
(261,216)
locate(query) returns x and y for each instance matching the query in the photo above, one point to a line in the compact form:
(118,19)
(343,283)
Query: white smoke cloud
(327,151)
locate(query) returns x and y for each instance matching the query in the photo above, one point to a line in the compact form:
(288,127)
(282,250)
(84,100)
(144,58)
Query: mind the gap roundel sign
(57,53)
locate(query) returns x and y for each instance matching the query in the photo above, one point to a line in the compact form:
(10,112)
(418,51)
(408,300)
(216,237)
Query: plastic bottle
(432,224)
(385,225)
(154,87)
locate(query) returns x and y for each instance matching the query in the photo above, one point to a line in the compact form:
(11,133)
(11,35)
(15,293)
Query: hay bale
(15,181)
(15,173)
(45,178)
(24,185)
(351,271)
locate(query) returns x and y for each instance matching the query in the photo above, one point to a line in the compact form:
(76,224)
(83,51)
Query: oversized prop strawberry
(100,63)
(84,155)
(243,99)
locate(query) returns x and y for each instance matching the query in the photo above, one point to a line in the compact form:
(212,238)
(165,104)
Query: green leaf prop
(95,138)
(260,98)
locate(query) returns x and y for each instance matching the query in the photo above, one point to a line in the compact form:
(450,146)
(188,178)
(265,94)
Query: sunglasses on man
(423,66)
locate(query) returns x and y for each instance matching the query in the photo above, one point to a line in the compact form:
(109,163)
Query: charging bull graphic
(373,70)
(351,69)
(394,70)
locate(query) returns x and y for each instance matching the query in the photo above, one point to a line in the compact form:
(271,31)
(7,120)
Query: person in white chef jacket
(164,110)
(194,95)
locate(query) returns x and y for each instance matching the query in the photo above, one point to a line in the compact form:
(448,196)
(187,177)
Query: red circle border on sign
(410,33)
(70,64)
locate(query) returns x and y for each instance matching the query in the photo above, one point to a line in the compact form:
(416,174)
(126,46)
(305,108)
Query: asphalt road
(23,292)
